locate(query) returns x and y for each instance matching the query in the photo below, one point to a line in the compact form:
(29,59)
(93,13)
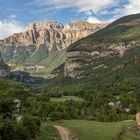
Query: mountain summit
(43,40)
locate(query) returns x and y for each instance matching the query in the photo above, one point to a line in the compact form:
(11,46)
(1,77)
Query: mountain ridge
(42,39)
(106,53)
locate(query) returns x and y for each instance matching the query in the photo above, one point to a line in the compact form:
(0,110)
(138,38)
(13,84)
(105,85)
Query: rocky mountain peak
(78,25)
(84,25)
(45,24)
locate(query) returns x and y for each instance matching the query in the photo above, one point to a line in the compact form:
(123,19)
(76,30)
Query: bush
(32,124)
(55,116)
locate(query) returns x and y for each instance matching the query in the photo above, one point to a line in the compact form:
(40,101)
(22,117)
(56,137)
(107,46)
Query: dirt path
(64,133)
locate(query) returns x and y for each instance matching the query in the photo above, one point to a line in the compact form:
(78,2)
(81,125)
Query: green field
(67,98)
(91,130)
(40,73)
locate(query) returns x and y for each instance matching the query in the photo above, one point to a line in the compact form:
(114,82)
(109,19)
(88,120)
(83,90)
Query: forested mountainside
(111,52)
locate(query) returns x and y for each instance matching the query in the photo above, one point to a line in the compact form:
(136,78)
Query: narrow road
(64,133)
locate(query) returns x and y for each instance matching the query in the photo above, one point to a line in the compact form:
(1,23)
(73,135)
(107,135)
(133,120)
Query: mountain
(4,69)
(112,53)
(43,43)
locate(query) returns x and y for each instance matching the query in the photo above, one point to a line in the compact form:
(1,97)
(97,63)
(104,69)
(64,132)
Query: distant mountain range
(78,50)
(44,43)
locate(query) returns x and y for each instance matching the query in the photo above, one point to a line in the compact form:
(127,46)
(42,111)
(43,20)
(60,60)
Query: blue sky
(16,14)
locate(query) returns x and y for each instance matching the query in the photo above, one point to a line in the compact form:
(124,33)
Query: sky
(16,14)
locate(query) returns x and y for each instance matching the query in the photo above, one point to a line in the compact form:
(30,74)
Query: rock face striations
(4,69)
(41,39)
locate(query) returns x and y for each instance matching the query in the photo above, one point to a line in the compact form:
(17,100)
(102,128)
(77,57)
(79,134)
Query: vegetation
(10,128)
(37,103)
(89,130)
(66,98)
(48,132)
(49,62)
(124,29)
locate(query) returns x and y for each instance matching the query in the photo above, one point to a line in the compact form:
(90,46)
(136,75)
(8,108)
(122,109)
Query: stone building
(138,120)
(17,104)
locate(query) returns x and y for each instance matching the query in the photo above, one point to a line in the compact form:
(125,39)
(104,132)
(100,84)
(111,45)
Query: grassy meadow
(67,98)
(91,130)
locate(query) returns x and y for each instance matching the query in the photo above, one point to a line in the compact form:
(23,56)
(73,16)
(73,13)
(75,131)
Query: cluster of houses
(36,68)
(118,104)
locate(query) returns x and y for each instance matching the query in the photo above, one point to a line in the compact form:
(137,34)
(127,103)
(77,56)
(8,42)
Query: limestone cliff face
(4,69)
(94,58)
(43,37)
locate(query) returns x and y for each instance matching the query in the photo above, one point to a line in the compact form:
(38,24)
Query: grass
(67,98)
(130,133)
(41,73)
(48,132)
(91,130)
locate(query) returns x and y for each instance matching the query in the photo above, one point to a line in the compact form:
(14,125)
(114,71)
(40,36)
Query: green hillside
(116,49)
(37,56)
(54,59)
(124,29)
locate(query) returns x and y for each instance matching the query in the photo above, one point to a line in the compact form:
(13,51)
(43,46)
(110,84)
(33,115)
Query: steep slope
(123,29)
(111,53)
(42,39)
(4,69)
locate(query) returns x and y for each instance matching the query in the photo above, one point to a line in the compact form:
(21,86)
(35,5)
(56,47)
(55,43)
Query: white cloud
(9,26)
(99,7)
(132,7)
(81,5)
(94,20)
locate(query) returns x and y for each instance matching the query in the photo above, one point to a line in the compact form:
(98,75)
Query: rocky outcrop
(58,72)
(77,60)
(42,38)
(4,69)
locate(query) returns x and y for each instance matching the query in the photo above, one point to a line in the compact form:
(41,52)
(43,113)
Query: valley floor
(91,130)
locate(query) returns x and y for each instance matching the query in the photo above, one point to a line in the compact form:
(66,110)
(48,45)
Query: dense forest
(101,102)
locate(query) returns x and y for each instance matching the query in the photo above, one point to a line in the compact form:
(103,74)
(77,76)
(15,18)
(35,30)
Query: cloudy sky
(16,14)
